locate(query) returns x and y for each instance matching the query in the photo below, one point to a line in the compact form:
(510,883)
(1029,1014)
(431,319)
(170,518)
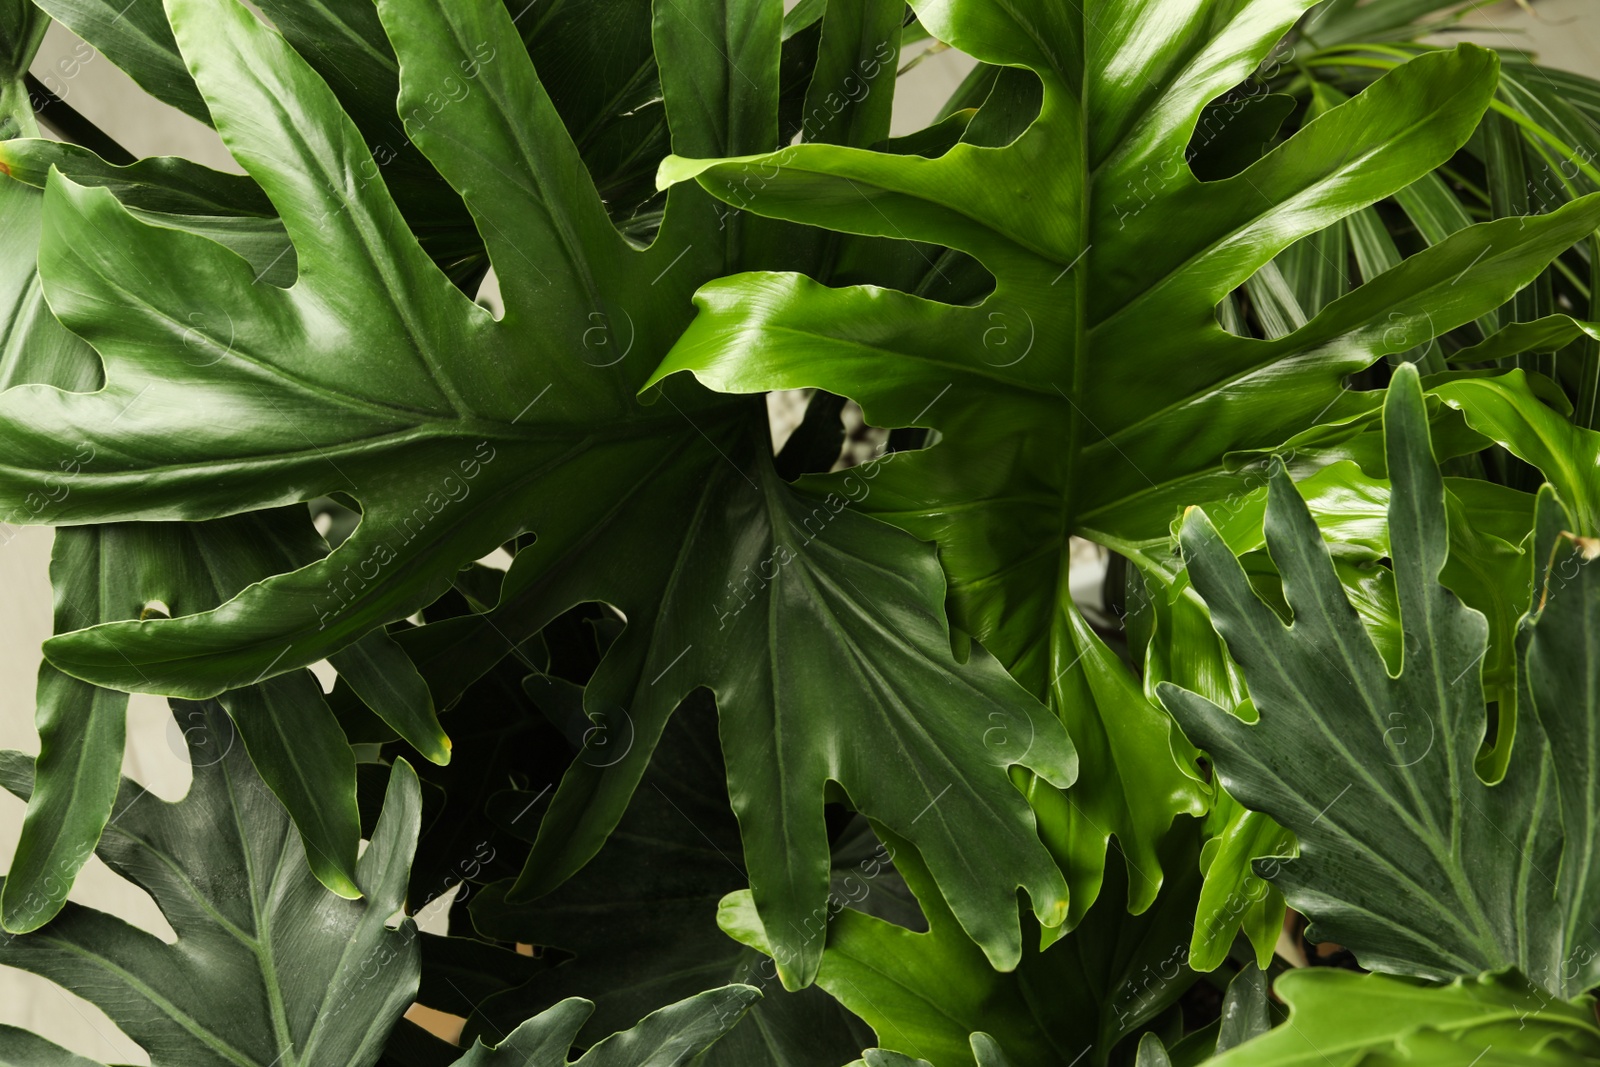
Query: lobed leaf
(1407,856)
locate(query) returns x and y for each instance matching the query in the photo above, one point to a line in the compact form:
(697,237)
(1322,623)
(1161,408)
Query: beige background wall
(1567,33)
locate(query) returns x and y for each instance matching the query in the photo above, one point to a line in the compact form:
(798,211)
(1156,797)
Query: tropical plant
(733,752)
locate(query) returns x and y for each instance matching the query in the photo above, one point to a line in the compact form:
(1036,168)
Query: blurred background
(1562,33)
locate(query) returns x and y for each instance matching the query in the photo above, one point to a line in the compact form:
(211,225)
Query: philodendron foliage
(710,734)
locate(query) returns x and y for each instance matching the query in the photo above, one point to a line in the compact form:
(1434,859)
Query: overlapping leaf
(455,431)
(926,994)
(268,968)
(1488,565)
(1406,856)
(126,571)
(1506,410)
(22,27)
(641,919)
(132,571)
(670,1037)
(1094,392)
(1343,1018)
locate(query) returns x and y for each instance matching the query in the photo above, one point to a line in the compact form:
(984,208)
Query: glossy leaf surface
(1094,392)
(456,431)
(1343,1018)
(1403,848)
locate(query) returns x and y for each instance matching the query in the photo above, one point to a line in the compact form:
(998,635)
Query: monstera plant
(424,465)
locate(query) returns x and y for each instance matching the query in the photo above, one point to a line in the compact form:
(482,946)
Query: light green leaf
(926,993)
(1235,896)
(1339,1017)
(1505,410)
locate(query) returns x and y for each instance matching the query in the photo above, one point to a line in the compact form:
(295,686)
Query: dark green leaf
(22,27)
(1094,392)
(641,918)
(135,570)
(19,1048)
(1406,857)
(375,376)
(268,968)
(135,35)
(667,1038)
(1246,1010)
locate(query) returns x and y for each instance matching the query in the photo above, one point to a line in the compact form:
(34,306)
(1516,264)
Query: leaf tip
(673,170)
(339,884)
(439,749)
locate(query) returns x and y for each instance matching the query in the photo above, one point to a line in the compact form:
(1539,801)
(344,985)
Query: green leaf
(1505,410)
(876,734)
(1094,392)
(168,184)
(34,348)
(1246,1009)
(505,754)
(1487,567)
(378,671)
(25,1049)
(81,730)
(22,27)
(456,432)
(343,41)
(268,966)
(134,570)
(641,918)
(1345,20)
(137,38)
(1234,895)
(1339,1017)
(666,1038)
(926,993)
(877,1057)
(1542,335)
(852,87)
(1180,647)
(987,1051)
(1152,1053)
(1404,854)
